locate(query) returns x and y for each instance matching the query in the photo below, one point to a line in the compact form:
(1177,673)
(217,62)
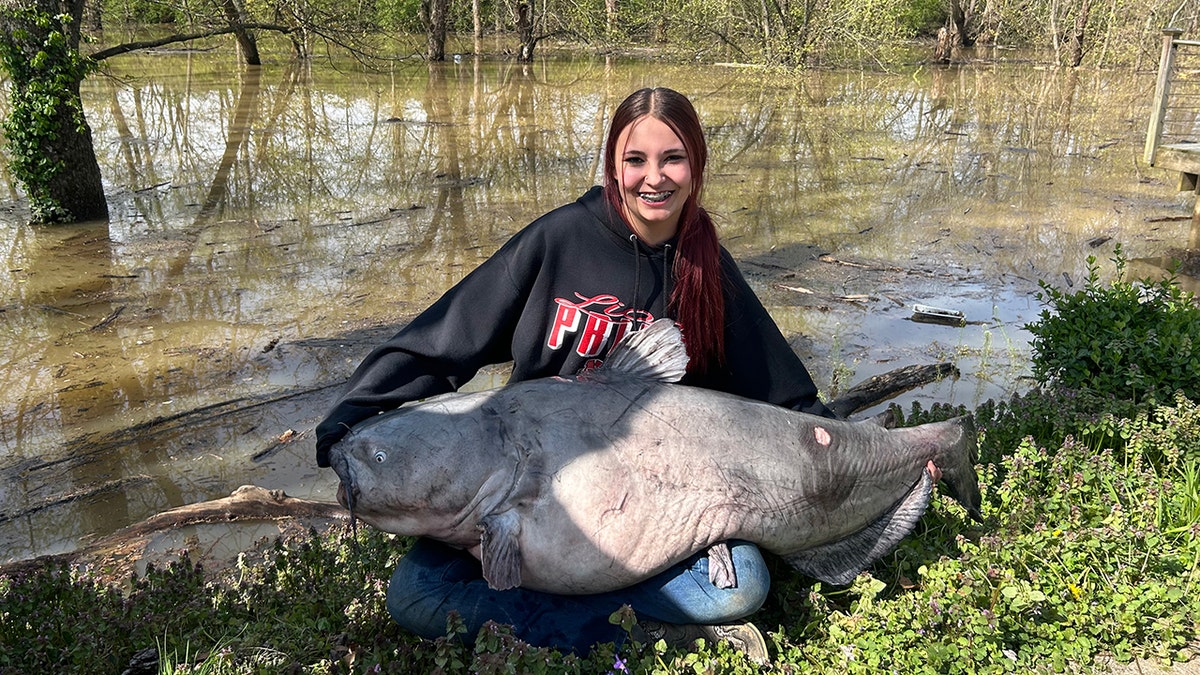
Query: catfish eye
(380,456)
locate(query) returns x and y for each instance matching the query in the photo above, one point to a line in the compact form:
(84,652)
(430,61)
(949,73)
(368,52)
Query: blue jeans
(434,579)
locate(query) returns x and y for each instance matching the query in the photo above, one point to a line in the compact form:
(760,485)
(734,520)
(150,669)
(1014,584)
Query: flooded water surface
(269,225)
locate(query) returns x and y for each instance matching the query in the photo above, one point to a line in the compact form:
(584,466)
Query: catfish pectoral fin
(838,562)
(720,566)
(499,550)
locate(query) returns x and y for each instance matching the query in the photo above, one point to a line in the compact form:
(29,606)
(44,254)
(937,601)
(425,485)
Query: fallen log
(883,387)
(248,503)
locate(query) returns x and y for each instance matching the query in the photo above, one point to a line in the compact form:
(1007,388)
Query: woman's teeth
(655,197)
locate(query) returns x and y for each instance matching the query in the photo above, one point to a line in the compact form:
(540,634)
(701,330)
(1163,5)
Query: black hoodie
(554,298)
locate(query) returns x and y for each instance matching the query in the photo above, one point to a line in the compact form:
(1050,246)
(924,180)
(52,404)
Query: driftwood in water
(880,388)
(247,503)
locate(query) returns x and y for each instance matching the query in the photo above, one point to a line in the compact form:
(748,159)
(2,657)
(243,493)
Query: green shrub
(1051,415)
(139,11)
(1131,340)
(399,15)
(923,17)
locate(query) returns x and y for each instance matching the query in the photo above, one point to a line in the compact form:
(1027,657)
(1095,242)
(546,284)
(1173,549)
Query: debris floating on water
(949,317)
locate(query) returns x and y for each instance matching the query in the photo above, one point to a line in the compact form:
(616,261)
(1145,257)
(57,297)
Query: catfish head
(422,470)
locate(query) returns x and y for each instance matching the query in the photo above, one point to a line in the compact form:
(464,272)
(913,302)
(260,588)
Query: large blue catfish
(595,483)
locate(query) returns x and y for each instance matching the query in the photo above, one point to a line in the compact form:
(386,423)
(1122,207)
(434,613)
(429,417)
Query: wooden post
(1161,89)
(1194,240)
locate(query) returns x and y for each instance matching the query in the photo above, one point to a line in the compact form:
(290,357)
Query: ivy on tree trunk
(49,140)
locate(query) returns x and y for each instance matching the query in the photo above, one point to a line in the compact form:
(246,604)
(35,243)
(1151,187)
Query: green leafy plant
(120,12)
(1133,340)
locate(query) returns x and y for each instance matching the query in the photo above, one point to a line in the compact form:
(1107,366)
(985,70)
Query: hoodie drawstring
(637,280)
(667,279)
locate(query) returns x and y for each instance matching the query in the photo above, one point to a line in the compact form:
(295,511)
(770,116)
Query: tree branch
(150,44)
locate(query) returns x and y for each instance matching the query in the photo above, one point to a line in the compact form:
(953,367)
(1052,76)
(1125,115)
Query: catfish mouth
(347,491)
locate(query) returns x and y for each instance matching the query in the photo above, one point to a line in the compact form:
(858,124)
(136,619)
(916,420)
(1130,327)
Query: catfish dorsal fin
(656,353)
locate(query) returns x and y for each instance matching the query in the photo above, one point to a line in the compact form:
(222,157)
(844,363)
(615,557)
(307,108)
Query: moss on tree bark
(49,139)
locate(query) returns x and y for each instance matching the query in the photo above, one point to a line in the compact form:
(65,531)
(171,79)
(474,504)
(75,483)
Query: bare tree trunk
(766,21)
(610,15)
(477,20)
(248,503)
(92,16)
(524,12)
(882,387)
(1075,45)
(661,29)
(72,191)
(435,35)
(954,35)
(958,16)
(949,42)
(247,44)
(1055,36)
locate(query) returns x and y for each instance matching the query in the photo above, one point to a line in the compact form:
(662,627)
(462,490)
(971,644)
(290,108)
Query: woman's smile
(655,179)
(656,197)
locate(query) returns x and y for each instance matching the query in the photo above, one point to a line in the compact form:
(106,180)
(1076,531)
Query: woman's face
(654,175)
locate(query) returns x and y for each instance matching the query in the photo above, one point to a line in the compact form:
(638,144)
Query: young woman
(552,300)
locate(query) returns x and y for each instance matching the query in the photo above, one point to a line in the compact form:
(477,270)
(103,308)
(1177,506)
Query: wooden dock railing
(1173,136)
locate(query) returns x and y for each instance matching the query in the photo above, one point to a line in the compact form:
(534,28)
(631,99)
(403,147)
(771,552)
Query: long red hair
(697,298)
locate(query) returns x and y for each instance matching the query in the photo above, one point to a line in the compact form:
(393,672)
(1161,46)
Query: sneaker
(744,637)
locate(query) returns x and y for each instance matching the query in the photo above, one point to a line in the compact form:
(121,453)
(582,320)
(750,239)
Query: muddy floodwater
(270,225)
